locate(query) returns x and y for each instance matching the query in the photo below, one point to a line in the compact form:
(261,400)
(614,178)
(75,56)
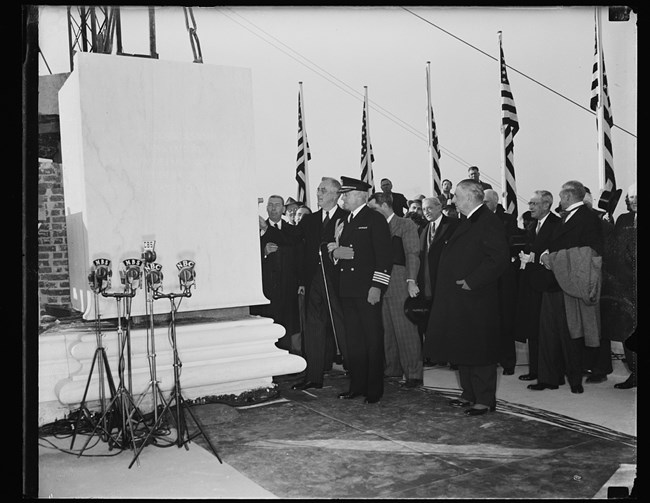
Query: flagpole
(600,110)
(304,136)
(503,148)
(371,176)
(432,187)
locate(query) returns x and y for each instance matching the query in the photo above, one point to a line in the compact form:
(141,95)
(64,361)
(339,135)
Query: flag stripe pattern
(304,155)
(434,149)
(608,120)
(367,157)
(510,124)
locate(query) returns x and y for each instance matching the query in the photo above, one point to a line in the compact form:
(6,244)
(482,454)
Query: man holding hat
(402,345)
(362,253)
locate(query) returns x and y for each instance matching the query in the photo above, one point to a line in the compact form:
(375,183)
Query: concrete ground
(309,444)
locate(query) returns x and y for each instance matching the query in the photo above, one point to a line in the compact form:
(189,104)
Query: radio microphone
(154,276)
(131,273)
(99,277)
(148,253)
(186,274)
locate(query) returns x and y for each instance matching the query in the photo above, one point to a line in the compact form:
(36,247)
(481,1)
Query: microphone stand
(182,434)
(102,366)
(154,383)
(122,405)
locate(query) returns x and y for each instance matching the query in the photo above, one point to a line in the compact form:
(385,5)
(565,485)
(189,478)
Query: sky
(336,51)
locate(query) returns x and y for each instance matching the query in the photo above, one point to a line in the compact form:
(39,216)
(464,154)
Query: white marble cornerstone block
(217,358)
(161,151)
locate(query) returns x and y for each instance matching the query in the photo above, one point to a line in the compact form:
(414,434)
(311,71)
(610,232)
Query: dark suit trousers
(318,328)
(599,360)
(559,354)
(479,383)
(630,360)
(507,307)
(365,346)
(527,324)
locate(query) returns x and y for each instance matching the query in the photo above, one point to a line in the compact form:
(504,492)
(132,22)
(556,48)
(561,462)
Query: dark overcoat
(531,281)
(280,279)
(464,324)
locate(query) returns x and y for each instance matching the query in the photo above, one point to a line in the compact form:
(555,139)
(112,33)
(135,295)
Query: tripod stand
(101,360)
(122,405)
(176,398)
(151,355)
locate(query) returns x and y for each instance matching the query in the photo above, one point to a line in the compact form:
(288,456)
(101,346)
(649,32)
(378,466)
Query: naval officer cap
(349,184)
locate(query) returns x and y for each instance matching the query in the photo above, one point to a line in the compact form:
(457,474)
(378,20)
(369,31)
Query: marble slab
(160,151)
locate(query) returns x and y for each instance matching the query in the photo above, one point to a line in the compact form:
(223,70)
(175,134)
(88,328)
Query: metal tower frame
(94,29)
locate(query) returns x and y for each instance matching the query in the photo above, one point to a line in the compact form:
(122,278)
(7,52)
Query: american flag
(509,128)
(434,149)
(604,119)
(367,157)
(304,155)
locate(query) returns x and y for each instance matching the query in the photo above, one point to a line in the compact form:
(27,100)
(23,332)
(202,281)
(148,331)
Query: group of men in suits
(563,286)
(356,261)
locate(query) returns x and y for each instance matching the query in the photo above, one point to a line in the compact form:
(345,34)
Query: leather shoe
(595,378)
(459,403)
(528,377)
(630,382)
(577,388)
(413,383)
(348,395)
(307,385)
(508,371)
(540,386)
(371,400)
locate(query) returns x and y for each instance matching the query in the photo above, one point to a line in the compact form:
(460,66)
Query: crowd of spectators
(342,278)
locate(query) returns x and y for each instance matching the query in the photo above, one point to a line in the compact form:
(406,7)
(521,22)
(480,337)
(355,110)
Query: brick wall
(53,271)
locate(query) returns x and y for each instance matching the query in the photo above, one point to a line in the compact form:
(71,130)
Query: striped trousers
(402,344)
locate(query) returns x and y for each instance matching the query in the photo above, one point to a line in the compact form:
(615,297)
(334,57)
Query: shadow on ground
(410,445)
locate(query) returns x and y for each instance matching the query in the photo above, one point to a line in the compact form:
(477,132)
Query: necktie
(326,219)
(432,232)
(539,225)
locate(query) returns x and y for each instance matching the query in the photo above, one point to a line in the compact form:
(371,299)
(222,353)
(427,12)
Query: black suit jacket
(279,277)
(533,280)
(535,275)
(369,234)
(584,228)
(312,235)
(432,255)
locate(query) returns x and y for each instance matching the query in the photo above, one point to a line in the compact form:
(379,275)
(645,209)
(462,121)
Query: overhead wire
(347,88)
(386,113)
(337,82)
(513,69)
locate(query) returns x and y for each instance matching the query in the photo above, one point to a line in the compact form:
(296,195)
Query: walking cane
(329,305)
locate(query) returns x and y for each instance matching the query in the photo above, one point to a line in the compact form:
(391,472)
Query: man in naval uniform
(362,252)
